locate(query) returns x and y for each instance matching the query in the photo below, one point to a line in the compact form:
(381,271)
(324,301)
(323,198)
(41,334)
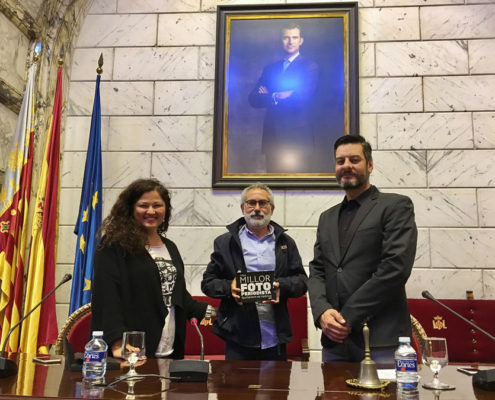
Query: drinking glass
(133,349)
(434,354)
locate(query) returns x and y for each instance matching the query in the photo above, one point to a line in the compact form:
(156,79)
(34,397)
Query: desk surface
(237,380)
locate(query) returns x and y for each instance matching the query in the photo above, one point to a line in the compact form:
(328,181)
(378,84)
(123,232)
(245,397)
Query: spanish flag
(14,204)
(40,328)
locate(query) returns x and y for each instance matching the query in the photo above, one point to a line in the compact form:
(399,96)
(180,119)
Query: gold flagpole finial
(61,56)
(99,70)
(37,51)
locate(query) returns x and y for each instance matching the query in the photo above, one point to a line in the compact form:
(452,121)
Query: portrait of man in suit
(363,257)
(287,89)
(284,94)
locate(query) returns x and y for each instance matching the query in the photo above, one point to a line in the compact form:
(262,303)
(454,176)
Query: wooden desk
(239,380)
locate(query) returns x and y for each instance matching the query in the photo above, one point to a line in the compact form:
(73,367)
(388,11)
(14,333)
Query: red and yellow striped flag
(14,204)
(40,328)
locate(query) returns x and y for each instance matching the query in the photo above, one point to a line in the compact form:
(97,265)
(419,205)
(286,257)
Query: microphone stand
(8,367)
(428,295)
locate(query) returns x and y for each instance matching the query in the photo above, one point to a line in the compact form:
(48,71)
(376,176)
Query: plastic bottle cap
(97,333)
(404,339)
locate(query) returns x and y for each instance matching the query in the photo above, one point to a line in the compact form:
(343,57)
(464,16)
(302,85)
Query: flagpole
(90,208)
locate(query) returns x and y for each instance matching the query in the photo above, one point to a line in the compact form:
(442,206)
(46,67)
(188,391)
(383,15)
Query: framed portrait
(286,87)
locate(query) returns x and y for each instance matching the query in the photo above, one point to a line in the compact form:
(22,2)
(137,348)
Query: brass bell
(368,375)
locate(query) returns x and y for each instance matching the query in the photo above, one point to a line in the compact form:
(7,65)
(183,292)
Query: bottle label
(406,365)
(95,356)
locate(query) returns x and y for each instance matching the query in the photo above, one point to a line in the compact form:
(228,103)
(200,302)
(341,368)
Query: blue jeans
(234,351)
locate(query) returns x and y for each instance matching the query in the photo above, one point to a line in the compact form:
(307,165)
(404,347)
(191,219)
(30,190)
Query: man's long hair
(120,226)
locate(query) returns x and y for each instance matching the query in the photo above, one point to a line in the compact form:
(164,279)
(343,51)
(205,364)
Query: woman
(138,281)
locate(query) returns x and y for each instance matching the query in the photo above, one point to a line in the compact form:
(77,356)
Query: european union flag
(89,218)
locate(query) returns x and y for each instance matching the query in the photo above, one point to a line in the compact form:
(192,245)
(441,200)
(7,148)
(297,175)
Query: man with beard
(261,330)
(363,256)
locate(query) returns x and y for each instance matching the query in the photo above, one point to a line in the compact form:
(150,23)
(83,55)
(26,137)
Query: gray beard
(257,223)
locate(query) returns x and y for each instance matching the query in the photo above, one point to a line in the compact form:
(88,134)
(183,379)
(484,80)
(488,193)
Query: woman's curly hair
(120,226)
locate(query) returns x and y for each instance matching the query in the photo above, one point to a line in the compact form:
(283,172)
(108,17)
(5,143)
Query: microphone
(484,379)
(194,322)
(7,366)
(191,370)
(428,295)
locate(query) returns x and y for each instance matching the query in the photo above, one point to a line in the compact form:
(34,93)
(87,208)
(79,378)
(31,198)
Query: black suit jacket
(288,123)
(367,281)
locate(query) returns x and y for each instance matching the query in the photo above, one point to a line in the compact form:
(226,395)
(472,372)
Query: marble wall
(427,101)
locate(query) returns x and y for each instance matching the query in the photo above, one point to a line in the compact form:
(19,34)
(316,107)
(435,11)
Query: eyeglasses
(252,203)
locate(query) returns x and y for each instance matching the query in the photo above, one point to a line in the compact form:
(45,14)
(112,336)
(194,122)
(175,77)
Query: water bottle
(406,365)
(95,359)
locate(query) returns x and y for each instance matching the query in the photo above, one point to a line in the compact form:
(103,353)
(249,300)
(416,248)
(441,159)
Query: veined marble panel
(425,131)
(63,294)
(484,130)
(154,6)
(193,276)
(383,24)
(8,122)
(444,283)
(457,168)
(85,62)
(32,6)
(314,335)
(485,207)
(207,62)
(68,205)
(361,3)
(305,239)
(182,170)
(156,63)
(367,59)
(224,207)
(195,243)
(459,93)
(104,30)
(422,258)
(488,284)
(13,50)
(458,22)
(76,134)
(65,253)
(184,98)
(103,7)
(367,127)
(394,3)
(118,169)
(186,29)
(182,206)
(399,169)
(204,134)
(463,248)
(109,198)
(482,56)
(117,98)
(442,207)
(422,58)
(211,5)
(390,95)
(152,133)
(303,208)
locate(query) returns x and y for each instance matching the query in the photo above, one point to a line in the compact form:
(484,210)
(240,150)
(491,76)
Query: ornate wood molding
(10,97)
(20,17)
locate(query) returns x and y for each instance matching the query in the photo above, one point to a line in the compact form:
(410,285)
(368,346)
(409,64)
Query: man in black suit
(286,89)
(363,256)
